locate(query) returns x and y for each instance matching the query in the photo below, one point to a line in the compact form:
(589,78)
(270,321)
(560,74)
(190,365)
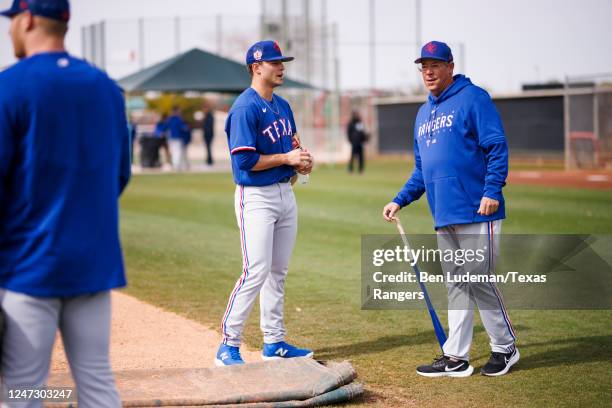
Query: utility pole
(567,124)
(103,45)
(336,59)
(177,35)
(324,43)
(337,98)
(263,31)
(141,45)
(284,26)
(372,45)
(308,65)
(418,41)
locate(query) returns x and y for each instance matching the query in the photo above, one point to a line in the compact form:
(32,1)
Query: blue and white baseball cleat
(228,355)
(274,351)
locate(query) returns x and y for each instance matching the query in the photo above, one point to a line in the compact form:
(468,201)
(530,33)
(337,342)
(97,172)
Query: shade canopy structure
(195,70)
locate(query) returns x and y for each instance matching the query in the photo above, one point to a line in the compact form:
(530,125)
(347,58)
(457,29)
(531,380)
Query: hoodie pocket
(448,201)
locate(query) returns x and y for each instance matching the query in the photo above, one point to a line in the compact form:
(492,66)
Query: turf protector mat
(295,382)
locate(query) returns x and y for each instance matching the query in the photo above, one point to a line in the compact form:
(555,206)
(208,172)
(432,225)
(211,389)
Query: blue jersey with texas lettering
(255,126)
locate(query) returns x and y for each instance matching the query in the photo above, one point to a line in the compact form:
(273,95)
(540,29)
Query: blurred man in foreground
(64,161)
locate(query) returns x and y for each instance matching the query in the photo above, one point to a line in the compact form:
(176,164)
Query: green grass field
(182,251)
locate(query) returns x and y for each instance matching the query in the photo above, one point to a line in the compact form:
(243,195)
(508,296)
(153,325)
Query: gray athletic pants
(462,296)
(267,219)
(31,327)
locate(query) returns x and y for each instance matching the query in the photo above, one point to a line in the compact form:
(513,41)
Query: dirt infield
(146,337)
(599,180)
(162,359)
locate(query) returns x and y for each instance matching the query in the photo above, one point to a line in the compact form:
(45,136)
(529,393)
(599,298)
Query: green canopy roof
(195,70)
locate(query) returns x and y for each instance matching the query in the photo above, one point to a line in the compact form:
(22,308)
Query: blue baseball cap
(435,50)
(55,9)
(265,51)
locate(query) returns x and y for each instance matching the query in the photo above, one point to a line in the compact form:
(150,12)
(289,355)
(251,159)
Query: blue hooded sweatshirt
(461,155)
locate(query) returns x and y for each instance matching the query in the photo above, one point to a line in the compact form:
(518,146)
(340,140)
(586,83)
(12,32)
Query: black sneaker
(444,367)
(500,363)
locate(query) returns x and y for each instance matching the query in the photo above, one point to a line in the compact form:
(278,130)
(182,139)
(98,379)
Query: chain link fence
(588,122)
(124,46)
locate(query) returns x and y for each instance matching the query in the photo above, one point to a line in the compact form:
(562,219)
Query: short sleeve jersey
(264,127)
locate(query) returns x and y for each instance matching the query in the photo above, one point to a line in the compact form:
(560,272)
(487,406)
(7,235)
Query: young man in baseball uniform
(461,163)
(64,161)
(262,138)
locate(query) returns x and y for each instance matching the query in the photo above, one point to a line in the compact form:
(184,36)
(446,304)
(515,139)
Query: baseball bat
(438,329)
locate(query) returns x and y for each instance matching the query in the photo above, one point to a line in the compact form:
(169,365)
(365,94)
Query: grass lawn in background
(182,252)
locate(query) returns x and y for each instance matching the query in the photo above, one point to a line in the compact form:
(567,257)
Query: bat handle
(400,228)
(399,225)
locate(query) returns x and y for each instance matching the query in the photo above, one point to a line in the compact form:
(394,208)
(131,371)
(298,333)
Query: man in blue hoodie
(461,163)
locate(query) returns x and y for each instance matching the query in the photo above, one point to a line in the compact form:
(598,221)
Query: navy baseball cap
(435,50)
(55,9)
(265,51)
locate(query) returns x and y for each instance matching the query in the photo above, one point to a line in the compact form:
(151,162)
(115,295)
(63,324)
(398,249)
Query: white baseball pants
(461,296)
(267,219)
(178,153)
